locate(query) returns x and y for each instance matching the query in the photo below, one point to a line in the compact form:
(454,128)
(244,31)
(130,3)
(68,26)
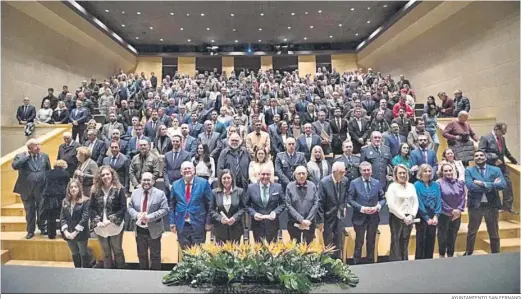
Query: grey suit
(149,238)
(107,131)
(214,143)
(88,176)
(29,184)
(318,127)
(267,229)
(302,203)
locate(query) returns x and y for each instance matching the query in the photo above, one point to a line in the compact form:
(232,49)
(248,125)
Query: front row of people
(434,207)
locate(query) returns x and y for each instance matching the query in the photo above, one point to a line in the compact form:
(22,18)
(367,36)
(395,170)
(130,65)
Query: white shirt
(402,200)
(227,201)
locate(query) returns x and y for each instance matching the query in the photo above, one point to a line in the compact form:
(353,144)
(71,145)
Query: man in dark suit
(379,156)
(52,99)
(194,126)
(495,148)
(97,147)
(339,130)
(153,80)
(32,167)
(393,139)
(133,144)
(67,153)
(78,118)
(113,124)
(307,141)
(183,117)
(188,143)
(265,203)
(116,137)
(130,113)
(351,162)
(26,113)
(286,163)
(212,139)
(424,155)
(60,115)
(323,129)
(119,162)
(152,126)
(358,128)
(172,163)
(483,183)
(366,196)
(332,191)
(271,111)
(404,122)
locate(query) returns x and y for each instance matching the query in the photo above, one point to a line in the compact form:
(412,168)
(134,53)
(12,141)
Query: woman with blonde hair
(429,210)
(86,169)
(54,191)
(74,221)
(318,167)
(403,207)
(261,160)
(108,208)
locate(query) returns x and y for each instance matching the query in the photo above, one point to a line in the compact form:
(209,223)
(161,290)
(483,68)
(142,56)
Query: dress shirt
(227,200)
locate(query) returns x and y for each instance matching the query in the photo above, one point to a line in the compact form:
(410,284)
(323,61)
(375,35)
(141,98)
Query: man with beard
(235,158)
(258,139)
(143,162)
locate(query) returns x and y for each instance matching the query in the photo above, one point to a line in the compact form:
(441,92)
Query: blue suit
(197,210)
(393,143)
(475,192)
(131,145)
(418,159)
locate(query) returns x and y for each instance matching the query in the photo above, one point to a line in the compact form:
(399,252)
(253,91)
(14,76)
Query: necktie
(238,165)
(377,149)
(499,145)
(397,138)
(338,123)
(188,193)
(265,195)
(308,141)
(183,145)
(175,156)
(482,169)
(338,190)
(25,110)
(425,156)
(145,203)
(367,186)
(114,162)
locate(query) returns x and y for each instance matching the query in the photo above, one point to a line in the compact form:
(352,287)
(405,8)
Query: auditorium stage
(493,273)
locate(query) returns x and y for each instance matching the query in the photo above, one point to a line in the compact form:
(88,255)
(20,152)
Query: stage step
(41,263)
(456,254)
(5,256)
(506,245)
(13,223)
(16,209)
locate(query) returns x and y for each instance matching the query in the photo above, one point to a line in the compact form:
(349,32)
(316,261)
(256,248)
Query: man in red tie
(189,204)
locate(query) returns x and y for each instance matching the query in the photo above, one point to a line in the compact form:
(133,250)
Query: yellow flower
(193,250)
(290,245)
(229,247)
(302,249)
(211,248)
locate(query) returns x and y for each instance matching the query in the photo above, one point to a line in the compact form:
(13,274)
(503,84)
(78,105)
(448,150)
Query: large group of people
(233,153)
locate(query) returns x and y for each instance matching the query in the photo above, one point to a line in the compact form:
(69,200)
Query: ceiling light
(289,27)
(171,13)
(260,40)
(319,11)
(292,13)
(160,39)
(122,25)
(368,8)
(339,25)
(356,34)
(231,15)
(137,37)
(106,10)
(151,28)
(305,38)
(260,29)
(187,14)
(202,15)
(368,22)
(385,5)
(330,36)
(234,29)
(236,41)
(306,13)
(181,29)
(352,8)
(207,29)
(138,13)
(213,41)
(285,39)
(261,14)
(123,12)
(188,40)
(311,26)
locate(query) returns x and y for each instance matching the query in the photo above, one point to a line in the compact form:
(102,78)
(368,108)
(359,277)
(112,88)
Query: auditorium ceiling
(142,23)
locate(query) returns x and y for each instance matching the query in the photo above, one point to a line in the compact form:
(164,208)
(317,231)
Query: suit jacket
(302,208)
(78,220)
(491,188)
(352,166)
(108,133)
(80,115)
(358,197)
(165,147)
(379,162)
(88,174)
(418,159)
(98,151)
(63,118)
(214,143)
(268,115)
(302,145)
(197,208)
(127,116)
(285,166)
(277,144)
(122,146)
(237,209)
(275,200)
(137,167)
(332,205)
(191,145)
(489,145)
(393,143)
(151,132)
(157,208)
(121,167)
(405,125)
(185,119)
(195,129)
(28,116)
(31,174)
(131,146)
(172,169)
(67,153)
(355,132)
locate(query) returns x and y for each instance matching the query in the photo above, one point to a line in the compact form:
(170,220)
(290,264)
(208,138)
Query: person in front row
(147,207)
(332,191)
(74,221)
(429,208)
(403,207)
(227,209)
(366,196)
(302,203)
(107,211)
(483,183)
(190,199)
(265,204)
(452,205)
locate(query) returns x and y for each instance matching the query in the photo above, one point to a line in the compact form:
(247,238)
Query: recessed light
(285,39)
(356,34)
(137,37)
(106,10)
(138,13)
(368,22)
(261,14)
(236,41)
(123,12)
(260,29)
(207,29)
(202,15)
(188,40)
(122,25)
(181,29)
(260,40)
(352,8)
(187,14)
(339,25)
(311,26)
(151,28)
(171,13)
(306,13)
(292,13)
(231,15)
(368,8)
(289,27)
(385,5)
(319,11)
(213,41)
(305,38)
(330,36)
(160,39)
(234,29)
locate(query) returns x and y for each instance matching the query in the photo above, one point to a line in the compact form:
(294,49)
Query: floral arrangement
(291,267)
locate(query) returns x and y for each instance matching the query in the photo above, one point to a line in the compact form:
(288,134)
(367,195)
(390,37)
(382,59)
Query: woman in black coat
(54,191)
(227,209)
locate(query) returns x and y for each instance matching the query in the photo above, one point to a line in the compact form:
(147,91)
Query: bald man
(67,152)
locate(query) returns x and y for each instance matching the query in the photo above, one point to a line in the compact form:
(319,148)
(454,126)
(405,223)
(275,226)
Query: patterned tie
(482,169)
(425,156)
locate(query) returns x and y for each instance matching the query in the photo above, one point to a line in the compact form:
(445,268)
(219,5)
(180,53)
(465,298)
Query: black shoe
(52,237)
(467,253)
(43,232)
(29,236)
